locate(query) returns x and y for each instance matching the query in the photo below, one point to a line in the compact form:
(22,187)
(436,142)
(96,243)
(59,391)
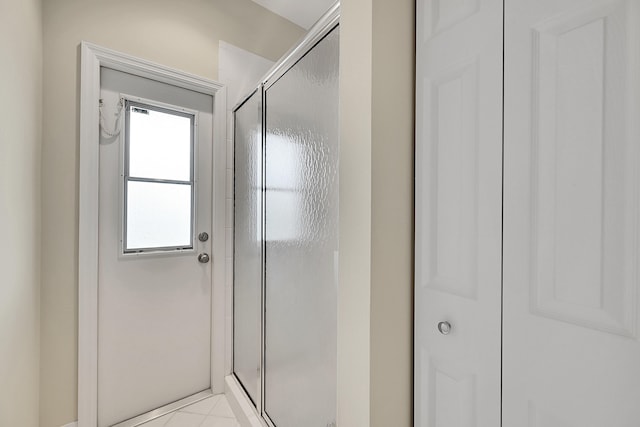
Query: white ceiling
(302,12)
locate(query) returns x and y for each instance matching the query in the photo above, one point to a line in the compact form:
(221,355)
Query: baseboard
(73,424)
(241,406)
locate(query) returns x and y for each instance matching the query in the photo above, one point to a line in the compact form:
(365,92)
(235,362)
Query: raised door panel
(445,13)
(452,398)
(451,214)
(583,255)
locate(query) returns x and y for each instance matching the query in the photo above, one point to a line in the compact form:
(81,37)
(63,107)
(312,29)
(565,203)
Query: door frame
(92,58)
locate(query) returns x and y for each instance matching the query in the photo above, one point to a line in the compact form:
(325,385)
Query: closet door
(458,213)
(572,77)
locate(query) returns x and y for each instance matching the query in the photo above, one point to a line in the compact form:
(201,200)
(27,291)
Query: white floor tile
(213,411)
(185,419)
(211,421)
(202,407)
(222,409)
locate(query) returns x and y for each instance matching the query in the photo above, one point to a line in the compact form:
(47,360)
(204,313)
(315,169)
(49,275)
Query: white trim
(73,424)
(230,243)
(124,159)
(92,58)
(218,330)
(164,410)
(317,32)
(246,414)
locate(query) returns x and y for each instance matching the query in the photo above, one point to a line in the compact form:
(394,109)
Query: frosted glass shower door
(301,170)
(247,292)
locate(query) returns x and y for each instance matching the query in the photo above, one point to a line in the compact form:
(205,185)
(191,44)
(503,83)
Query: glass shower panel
(247,294)
(301,165)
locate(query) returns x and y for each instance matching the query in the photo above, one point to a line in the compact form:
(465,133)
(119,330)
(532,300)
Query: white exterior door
(154,296)
(572,78)
(458,213)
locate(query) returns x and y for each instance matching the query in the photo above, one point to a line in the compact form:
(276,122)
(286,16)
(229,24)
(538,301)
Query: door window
(158,179)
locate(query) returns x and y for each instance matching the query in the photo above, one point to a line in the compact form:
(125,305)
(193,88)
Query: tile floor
(213,411)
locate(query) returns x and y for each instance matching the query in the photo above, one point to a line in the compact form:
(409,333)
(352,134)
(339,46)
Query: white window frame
(124,163)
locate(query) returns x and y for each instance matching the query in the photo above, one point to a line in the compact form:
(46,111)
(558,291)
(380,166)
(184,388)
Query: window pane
(159,145)
(158,215)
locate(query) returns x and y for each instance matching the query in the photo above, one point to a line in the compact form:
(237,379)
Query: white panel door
(154,320)
(458,212)
(571,350)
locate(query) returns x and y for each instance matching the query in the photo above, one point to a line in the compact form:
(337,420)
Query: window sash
(127,178)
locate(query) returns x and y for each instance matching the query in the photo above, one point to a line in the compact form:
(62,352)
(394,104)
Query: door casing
(92,58)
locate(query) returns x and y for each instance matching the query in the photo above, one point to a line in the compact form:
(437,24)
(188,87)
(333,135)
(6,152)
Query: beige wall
(20,146)
(354,292)
(392,213)
(375,300)
(181,34)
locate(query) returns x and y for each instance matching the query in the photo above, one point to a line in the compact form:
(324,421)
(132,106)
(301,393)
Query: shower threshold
(166,409)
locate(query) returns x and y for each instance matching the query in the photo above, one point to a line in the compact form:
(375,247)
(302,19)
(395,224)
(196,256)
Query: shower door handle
(203,258)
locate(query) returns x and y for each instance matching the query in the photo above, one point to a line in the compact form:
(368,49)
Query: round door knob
(444,327)
(203,258)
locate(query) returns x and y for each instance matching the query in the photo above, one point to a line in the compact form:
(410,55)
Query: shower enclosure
(286,235)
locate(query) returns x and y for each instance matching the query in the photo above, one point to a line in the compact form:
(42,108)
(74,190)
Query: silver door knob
(444,327)
(203,258)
